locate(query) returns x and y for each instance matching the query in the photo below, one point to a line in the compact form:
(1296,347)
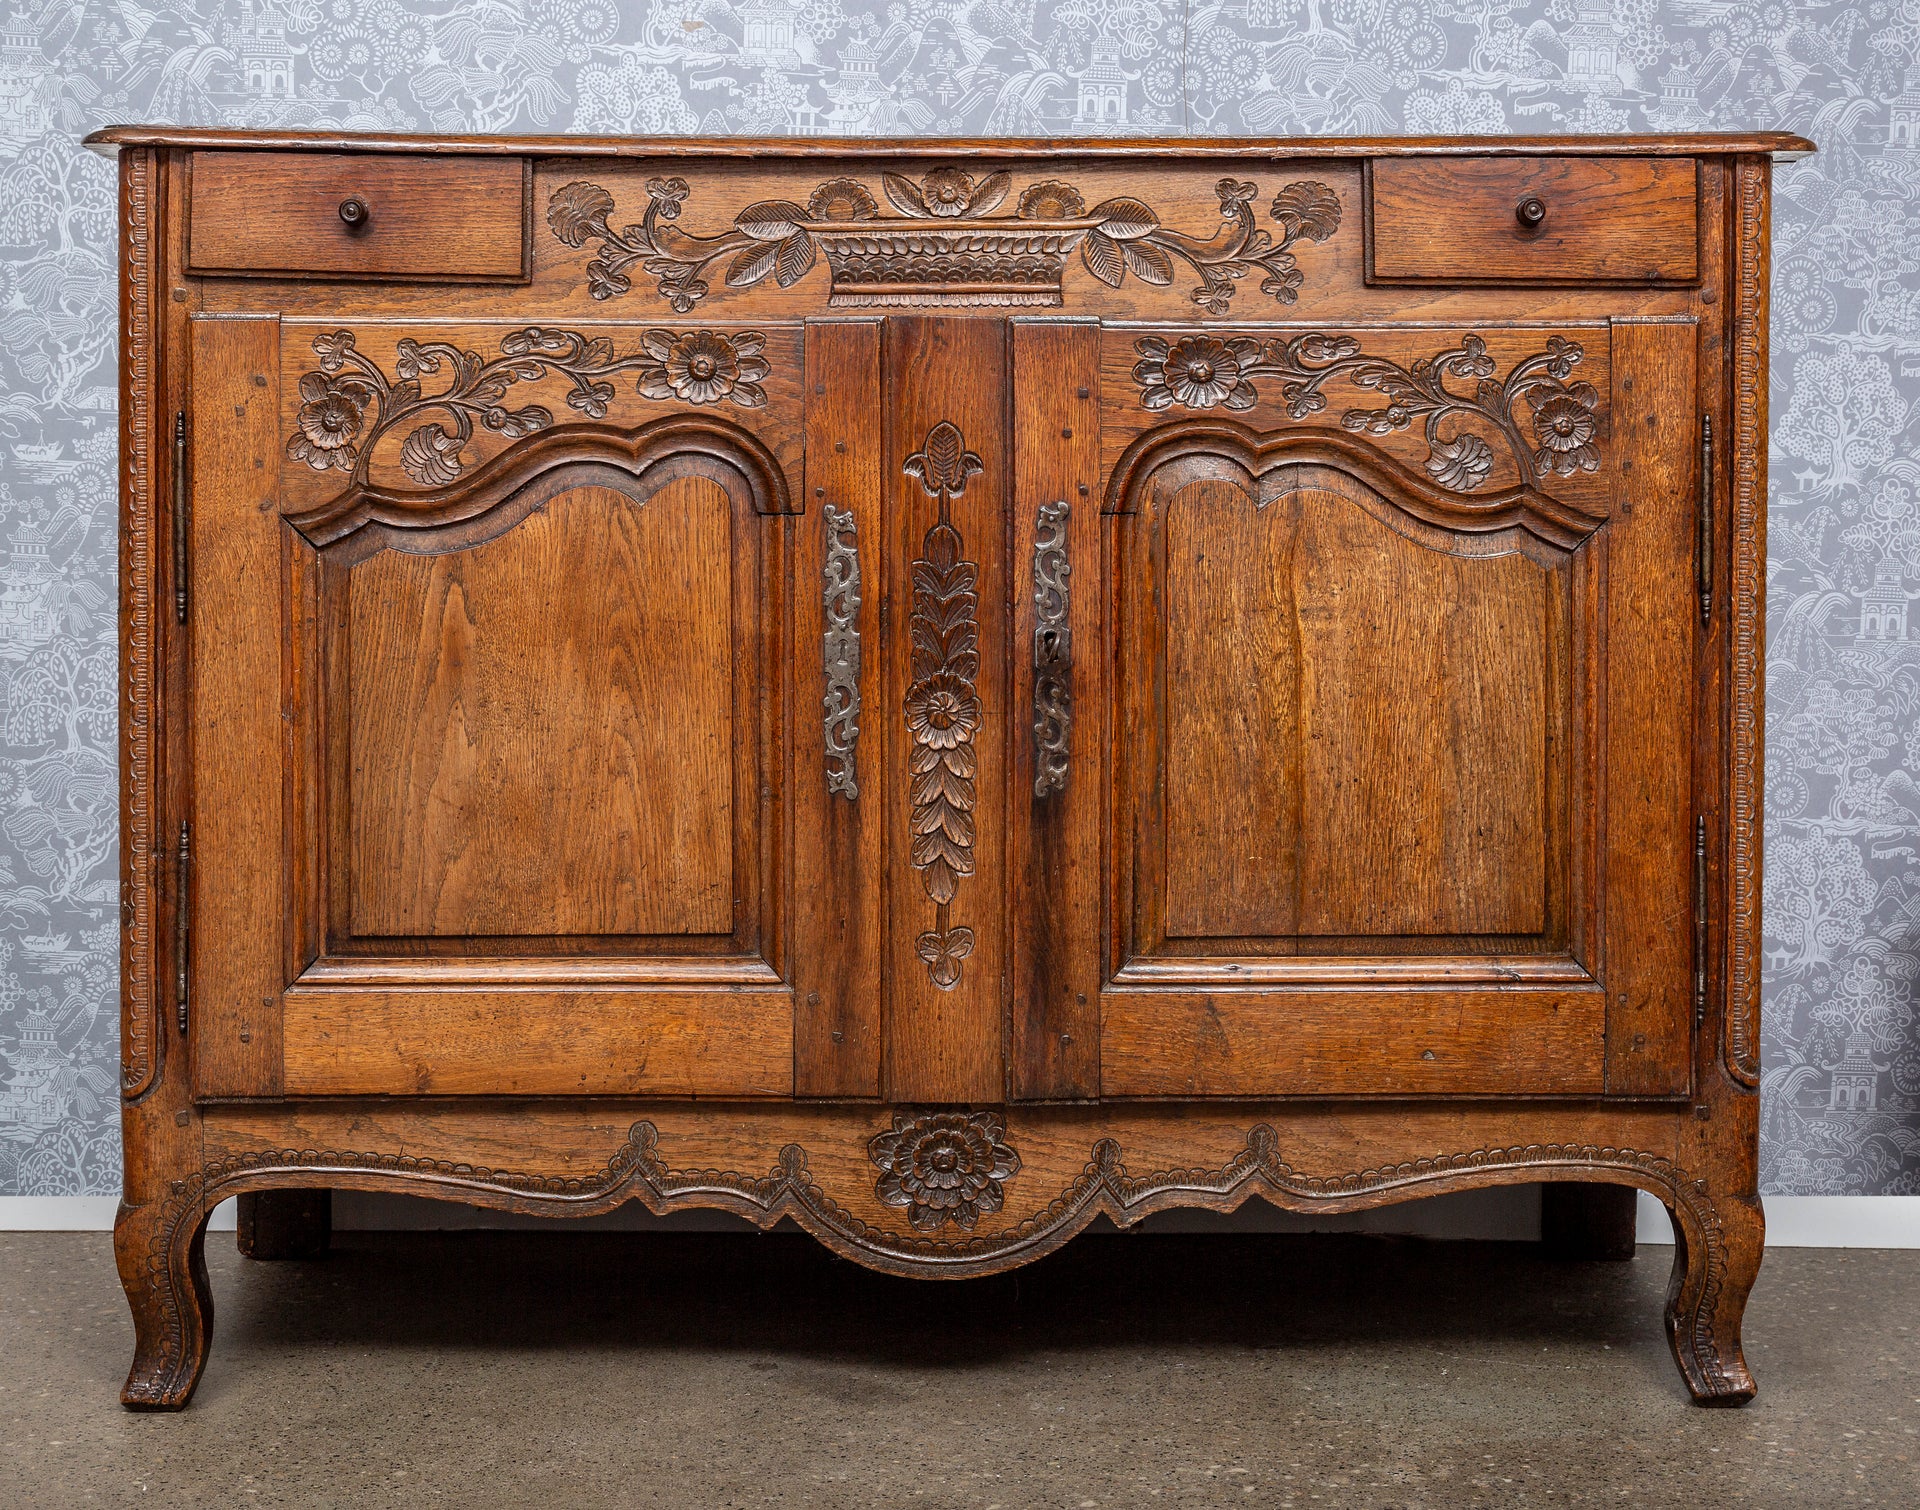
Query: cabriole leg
(161,1252)
(1716,1256)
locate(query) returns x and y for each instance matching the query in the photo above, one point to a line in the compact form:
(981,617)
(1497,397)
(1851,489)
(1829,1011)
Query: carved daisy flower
(331,420)
(947,192)
(1196,372)
(946,1167)
(942,711)
(704,367)
(841,199)
(1565,428)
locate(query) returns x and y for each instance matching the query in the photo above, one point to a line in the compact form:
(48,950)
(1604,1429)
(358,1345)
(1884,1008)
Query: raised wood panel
(507,1040)
(541,726)
(1356,721)
(1330,1042)
(237,882)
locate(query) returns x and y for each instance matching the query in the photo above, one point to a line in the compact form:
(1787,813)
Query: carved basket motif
(1019,263)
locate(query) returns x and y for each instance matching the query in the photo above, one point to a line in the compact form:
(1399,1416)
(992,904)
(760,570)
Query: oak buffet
(939,690)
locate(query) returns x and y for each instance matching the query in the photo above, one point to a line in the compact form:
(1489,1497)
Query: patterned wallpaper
(1842,1044)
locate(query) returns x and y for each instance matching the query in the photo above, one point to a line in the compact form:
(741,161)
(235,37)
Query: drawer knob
(355,213)
(1531,212)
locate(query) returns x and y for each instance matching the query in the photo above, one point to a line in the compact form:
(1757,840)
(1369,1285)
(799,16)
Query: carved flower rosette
(944,1167)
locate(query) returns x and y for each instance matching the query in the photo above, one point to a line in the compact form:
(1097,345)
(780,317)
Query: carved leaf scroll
(349,404)
(1537,395)
(944,244)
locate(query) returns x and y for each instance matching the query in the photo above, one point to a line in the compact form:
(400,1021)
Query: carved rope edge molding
(1748,602)
(1202,371)
(636,1171)
(139,1035)
(943,246)
(1052,650)
(840,650)
(349,403)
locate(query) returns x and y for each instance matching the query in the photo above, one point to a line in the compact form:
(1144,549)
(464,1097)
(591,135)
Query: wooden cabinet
(939,692)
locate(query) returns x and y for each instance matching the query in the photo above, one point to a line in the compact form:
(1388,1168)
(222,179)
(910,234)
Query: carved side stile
(1748,604)
(840,650)
(138,1000)
(1052,651)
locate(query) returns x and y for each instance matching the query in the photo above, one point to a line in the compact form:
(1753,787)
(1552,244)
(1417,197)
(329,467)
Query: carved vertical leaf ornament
(1052,651)
(943,702)
(840,650)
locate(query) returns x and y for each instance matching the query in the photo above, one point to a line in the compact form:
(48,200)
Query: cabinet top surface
(1777,143)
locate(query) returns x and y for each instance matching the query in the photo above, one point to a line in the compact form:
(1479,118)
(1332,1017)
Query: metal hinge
(1699,921)
(1703,548)
(180,517)
(182,859)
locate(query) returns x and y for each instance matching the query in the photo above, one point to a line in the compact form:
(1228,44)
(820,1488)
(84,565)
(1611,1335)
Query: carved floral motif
(944,1167)
(942,707)
(1546,420)
(349,404)
(944,245)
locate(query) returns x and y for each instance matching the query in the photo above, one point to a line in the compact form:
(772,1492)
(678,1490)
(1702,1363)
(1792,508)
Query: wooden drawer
(450,219)
(1460,220)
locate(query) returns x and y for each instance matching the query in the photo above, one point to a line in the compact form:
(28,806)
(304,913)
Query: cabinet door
(1402,661)
(489,692)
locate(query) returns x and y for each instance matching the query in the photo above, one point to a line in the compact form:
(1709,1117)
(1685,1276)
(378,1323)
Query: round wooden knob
(354,212)
(1531,212)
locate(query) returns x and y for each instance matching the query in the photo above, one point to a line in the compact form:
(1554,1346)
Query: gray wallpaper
(1842,1046)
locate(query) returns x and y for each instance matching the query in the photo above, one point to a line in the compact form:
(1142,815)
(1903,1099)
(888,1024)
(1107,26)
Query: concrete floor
(676,1369)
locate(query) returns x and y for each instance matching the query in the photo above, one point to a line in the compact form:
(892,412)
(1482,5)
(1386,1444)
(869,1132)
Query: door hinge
(1699,921)
(1703,547)
(182,860)
(180,517)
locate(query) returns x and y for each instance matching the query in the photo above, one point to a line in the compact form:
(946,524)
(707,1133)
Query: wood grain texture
(839,854)
(1324,1041)
(944,1043)
(1054,839)
(1357,722)
(1647,919)
(1607,220)
(445,220)
(541,726)
(501,1041)
(238,888)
